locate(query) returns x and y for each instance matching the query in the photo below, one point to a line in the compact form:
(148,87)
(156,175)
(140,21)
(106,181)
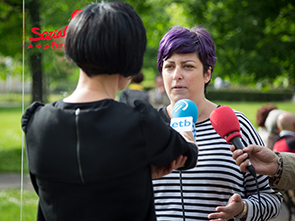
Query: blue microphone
(185,108)
(184,116)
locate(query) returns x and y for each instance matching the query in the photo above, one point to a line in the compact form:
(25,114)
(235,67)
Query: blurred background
(255,48)
(255,45)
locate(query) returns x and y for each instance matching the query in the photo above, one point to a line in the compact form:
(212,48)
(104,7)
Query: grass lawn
(10,139)
(10,205)
(250,108)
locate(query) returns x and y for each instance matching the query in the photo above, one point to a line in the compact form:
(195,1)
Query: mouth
(178,87)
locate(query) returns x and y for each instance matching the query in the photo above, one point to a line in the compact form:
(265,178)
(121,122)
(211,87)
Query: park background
(255,48)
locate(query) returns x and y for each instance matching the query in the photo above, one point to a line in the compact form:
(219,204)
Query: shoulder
(29,112)
(144,107)
(164,114)
(149,117)
(244,120)
(147,112)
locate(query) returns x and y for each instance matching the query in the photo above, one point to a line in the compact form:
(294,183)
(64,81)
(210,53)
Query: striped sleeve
(270,200)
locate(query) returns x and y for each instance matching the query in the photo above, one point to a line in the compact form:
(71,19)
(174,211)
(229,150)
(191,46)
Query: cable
(181,195)
(253,173)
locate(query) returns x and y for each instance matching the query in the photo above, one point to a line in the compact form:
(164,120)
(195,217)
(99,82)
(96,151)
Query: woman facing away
(135,91)
(91,157)
(216,189)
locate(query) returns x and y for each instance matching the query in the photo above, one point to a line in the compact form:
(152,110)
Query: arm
(164,144)
(286,180)
(158,172)
(270,200)
(265,162)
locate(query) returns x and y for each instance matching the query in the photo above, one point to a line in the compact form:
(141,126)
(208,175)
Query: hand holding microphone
(184,116)
(226,124)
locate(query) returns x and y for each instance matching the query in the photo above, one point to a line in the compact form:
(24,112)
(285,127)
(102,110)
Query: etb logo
(182,123)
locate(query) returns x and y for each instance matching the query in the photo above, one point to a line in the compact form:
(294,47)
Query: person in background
(158,97)
(286,126)
(135,91)
(216,189)
(261,116)
(89,156)
(272,127)
(280,167)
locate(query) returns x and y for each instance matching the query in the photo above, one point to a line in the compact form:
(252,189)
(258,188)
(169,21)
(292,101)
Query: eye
(188,66)
(168,66)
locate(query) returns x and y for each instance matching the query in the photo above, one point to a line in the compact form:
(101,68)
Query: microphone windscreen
(225,123)
(185,108)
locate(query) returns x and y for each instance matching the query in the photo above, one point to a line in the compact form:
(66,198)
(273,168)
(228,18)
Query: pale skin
(99,87)
(286,121)
(184,78)
(228,211)
(264,160)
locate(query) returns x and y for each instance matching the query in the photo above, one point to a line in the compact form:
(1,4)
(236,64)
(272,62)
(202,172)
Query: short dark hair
(137,78)
(185,40)
(106,38)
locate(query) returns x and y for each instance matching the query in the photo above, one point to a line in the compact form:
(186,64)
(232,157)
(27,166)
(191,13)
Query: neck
(94,88)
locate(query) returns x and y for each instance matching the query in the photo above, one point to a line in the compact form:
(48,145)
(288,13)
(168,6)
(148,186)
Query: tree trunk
(35,57)
(36,69)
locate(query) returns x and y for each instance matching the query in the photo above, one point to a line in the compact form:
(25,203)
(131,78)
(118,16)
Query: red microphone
(226,124)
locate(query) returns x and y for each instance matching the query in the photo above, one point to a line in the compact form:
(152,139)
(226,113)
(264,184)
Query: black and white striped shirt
(215,179)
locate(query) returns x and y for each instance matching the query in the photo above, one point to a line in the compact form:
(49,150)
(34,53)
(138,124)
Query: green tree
(11,36)
(255,40)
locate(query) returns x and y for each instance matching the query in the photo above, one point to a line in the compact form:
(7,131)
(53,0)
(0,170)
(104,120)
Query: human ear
(207,75)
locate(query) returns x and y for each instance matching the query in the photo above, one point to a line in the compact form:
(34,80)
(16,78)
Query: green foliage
(10,205)
(254,39)
(11,28)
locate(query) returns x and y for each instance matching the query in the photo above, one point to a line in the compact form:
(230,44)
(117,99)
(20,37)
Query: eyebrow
(185,61)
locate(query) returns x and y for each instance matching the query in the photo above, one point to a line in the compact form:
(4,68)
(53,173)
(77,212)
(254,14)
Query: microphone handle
(238,144)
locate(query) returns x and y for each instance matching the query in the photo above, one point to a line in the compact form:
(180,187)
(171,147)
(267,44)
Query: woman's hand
(234,207)
(158,172)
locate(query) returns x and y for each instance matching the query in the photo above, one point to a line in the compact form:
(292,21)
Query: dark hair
(106,38)
(184,40)
(262,114)
(137,78)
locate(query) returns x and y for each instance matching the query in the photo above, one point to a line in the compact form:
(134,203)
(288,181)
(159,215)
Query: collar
(287,132)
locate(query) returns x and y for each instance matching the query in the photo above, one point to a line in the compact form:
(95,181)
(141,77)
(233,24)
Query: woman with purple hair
(216,189)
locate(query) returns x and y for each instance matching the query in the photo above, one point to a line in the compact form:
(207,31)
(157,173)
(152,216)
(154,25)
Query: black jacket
(91,161)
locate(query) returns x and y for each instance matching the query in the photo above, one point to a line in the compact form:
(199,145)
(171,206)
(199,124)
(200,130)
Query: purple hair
(184,40)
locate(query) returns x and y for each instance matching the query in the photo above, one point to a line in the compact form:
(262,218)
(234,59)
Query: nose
(177,75)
